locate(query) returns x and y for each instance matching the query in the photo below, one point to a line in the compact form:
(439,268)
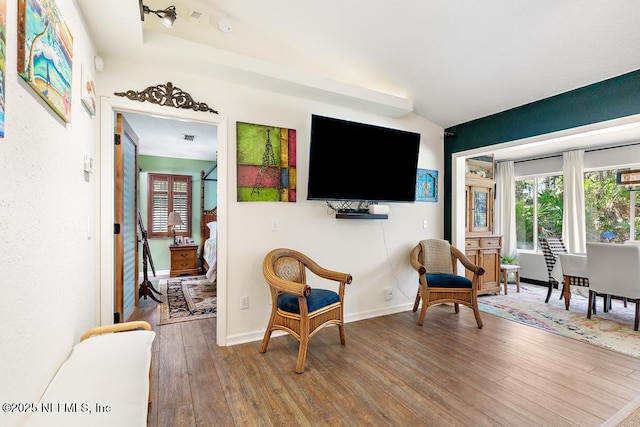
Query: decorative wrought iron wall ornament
(167,95)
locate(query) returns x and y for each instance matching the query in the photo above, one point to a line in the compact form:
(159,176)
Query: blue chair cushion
(317,299)
(442,280)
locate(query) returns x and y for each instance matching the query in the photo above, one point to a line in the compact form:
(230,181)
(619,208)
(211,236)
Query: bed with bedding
(208,230)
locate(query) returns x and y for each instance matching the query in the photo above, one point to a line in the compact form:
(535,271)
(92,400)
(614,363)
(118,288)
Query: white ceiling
(164,137)
(447,61)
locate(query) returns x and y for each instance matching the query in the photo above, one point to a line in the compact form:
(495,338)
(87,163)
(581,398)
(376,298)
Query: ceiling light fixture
(167,15)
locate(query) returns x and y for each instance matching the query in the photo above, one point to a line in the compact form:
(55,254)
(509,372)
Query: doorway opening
(215,125)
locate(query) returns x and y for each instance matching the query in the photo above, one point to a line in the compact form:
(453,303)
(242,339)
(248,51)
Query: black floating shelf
(360,216)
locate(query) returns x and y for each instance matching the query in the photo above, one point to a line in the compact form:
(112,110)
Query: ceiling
(163,137)
(447,61)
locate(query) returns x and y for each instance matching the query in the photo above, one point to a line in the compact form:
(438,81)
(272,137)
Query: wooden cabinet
(482,247)
(485,251)
(184,260)
(479,201)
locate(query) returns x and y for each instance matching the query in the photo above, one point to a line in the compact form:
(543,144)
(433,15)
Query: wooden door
(126,211)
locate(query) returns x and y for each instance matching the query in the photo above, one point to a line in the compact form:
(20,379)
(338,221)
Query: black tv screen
(360,162)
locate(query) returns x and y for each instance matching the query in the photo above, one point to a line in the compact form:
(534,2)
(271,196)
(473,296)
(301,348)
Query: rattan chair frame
(304,325)
(431,295)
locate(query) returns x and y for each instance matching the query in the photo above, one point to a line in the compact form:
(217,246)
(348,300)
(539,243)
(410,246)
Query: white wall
(47,204)
(375,252)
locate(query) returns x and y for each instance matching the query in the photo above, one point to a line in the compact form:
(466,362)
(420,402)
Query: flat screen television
(351,161)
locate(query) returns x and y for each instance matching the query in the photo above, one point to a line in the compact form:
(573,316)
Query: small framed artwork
(427,185)
(88,90)
(179,240)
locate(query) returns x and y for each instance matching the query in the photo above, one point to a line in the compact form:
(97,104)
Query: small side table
(505,269)
(184,260)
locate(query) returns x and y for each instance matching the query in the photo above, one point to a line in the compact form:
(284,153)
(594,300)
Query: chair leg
(456,307)
(549,292)
(417,301)
(476,312)
(265,340)
(635,325)
(591,304)
(423,313)
(343,335)
(302,354)
(607,303)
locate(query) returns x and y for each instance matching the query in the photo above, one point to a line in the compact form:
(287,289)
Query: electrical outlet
(274,225)
(388,294)
(244,303)
(425,224)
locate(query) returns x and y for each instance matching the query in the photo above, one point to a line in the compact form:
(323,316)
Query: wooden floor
(390,372)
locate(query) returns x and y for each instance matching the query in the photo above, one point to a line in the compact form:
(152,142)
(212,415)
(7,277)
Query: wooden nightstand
(184,260)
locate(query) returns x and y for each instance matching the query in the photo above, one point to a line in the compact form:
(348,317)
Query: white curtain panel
(574,232)
(505,207)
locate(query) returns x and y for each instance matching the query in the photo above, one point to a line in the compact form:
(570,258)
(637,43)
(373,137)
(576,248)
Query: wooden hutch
(482,247)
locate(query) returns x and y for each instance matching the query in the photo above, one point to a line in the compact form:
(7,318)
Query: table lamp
(173,220)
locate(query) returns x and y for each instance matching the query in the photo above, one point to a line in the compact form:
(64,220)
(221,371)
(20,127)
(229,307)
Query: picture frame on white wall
(88,90)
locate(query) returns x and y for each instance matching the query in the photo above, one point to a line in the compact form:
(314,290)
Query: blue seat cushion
(442,280)
(318,298)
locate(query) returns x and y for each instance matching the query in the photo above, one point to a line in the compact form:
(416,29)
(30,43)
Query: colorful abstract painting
(45,53)
(3,61)
(427,185)
(266,163)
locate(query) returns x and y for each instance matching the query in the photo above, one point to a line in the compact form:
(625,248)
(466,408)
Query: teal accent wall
(606,100)
(152,164)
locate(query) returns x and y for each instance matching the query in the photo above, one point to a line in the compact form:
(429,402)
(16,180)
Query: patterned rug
(186,298)
(612,330)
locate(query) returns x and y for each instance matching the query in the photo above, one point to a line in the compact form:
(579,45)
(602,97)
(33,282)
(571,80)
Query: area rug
(187,298)
(612,330)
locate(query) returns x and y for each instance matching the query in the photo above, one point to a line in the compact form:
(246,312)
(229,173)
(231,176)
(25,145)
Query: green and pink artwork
(45,53)
(266,163)
(3,62)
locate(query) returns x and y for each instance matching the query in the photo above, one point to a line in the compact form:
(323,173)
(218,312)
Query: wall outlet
(244,303)
(425,224)
(388,294)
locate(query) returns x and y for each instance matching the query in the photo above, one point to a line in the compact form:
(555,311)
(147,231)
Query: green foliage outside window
(607,208)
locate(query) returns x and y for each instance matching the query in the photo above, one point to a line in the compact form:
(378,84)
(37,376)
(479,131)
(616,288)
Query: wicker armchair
(296,307)
(436,262)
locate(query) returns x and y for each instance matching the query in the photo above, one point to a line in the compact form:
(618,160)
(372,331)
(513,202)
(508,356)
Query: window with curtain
(538,209)
(168,193)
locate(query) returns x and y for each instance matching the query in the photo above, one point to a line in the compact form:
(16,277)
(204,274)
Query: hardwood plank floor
(390,372)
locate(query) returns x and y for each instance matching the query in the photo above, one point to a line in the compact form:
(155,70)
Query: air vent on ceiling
(189,137)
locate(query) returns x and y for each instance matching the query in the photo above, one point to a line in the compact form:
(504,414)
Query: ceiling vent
(189,137)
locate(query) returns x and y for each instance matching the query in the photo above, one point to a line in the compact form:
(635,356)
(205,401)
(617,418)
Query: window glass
(549,215)
(169,193)
(607,207)
(524,213)
(538,209)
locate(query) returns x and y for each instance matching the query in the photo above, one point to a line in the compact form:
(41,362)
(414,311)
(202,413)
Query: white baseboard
(258,335)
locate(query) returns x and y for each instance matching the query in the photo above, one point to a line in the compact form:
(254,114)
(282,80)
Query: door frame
(108,108)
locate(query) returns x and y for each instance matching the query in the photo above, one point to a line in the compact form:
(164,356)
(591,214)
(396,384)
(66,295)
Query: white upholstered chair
(614,269)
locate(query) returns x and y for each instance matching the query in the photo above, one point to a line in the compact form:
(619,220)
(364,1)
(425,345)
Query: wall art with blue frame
(427,185)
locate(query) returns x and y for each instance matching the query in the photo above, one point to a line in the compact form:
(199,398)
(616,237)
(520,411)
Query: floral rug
(612,330)
(187,298)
